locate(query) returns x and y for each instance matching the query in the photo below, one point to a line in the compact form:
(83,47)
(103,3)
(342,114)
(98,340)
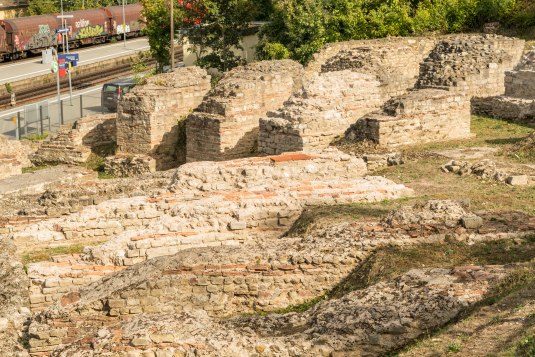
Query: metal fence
(47,116)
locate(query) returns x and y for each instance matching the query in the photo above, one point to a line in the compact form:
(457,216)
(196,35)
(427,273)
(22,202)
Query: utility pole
(172,50)
(124,26)
(63,36)
(55,53)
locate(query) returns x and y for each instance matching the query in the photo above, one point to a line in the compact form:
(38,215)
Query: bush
(298,28)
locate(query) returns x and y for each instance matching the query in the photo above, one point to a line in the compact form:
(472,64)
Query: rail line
(44,91)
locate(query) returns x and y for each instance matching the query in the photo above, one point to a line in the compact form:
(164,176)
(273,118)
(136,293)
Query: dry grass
(46,254)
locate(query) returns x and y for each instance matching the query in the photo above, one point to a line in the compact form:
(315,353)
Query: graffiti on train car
(87,32)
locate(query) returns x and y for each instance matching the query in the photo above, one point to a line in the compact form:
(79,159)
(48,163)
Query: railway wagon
(3,45)
(86,27)
(29,34)
(132,15)
(32,34)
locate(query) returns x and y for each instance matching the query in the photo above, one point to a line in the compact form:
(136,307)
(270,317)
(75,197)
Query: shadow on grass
(504,141)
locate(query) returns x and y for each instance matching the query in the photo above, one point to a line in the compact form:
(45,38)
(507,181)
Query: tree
(39,7)
(158,28)
(222,26)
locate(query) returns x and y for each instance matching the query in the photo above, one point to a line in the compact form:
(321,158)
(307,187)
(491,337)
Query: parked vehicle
(113,91)
(32,34)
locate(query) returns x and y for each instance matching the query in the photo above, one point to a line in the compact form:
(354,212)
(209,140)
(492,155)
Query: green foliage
(454,347)
(223,24)
(158,30)
(39,7)
(140,68)
(526,347)
(298,28)
(9,87)
(36,136)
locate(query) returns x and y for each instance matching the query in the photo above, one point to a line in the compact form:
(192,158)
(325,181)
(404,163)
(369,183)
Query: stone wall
(518,102)
(149,115)
(73,143)
(13,158)
(262,275)
(225,125)
(211,205)
(421,116)
(357,78)
(471,64)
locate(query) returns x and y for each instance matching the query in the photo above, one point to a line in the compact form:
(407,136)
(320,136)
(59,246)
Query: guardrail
(40,118)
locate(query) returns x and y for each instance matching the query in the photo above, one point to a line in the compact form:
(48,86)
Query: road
(13,71)
(30,114)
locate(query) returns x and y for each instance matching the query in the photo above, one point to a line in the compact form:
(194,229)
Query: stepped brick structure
(262,275)
(356,80)
(73,144)
(210,205)
(518,102)
(149,116)
(225,125)
(426,115)
(471,65)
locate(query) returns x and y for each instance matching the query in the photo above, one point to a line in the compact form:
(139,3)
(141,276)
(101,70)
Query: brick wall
(357,78)
(149,115)
(421,116)
(472,64)
(225,125)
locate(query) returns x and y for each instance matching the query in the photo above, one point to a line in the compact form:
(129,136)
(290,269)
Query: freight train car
(29,34)
(32,34)
(133,25)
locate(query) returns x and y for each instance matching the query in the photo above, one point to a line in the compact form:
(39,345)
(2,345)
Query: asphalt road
(30,115)
(13,71)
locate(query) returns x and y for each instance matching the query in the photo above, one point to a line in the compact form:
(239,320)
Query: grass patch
(392,261)
(36,136)
(317,215)
(429,182)
(454,347)
(96,162)
(45,254)
(389,262)
(31,169)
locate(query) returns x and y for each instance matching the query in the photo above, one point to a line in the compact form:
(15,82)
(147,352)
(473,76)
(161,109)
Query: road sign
(62,67)
(62,30)
(72,58)
(54,67)
(65,16)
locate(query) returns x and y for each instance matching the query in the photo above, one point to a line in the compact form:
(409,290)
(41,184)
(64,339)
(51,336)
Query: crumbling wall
(356,79)
(13,158)
(73,143)
(149,116)
(225,125)
(266,275)
(426,115)
(474,65)
(14,302)
(518,102)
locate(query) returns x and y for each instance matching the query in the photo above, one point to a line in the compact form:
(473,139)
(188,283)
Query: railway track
(45,91)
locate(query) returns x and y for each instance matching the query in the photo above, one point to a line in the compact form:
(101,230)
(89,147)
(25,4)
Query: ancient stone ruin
(13,158)
(225,125)
(73,144)
(199,252)
(368,76)
(421,116)
(150,120)
(357,80)
(518,102)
